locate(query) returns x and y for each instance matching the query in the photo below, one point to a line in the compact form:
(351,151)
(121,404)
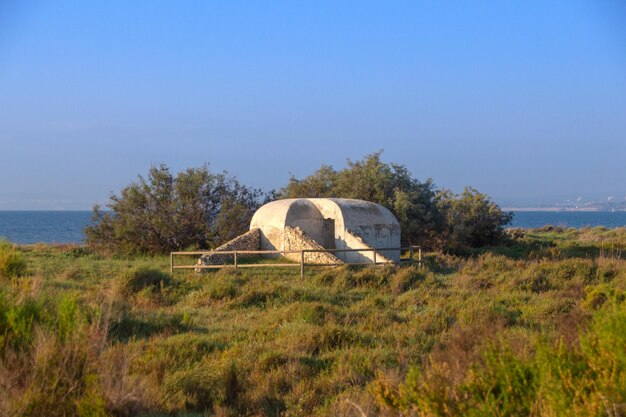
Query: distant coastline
(558,209)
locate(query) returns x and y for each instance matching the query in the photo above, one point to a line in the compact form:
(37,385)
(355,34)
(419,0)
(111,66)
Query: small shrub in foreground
(49,363)
(540,378)
(16,322)
(12,263)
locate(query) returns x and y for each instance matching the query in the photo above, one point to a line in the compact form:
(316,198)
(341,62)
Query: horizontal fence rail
(301,264)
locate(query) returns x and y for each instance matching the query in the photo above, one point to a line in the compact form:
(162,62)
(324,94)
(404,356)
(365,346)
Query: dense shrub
(429,217)
(472,219)
(195,208)
(16,322)
(391,185)
(12,263)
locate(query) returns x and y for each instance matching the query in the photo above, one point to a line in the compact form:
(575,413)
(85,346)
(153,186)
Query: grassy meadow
(536,327)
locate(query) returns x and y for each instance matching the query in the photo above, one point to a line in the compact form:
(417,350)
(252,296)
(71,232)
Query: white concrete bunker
(329,223)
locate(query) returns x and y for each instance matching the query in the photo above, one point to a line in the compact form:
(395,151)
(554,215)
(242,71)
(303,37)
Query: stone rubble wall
(250,240)
(295,239)
(355,241)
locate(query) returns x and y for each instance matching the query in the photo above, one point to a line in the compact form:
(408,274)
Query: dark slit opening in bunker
(328,233)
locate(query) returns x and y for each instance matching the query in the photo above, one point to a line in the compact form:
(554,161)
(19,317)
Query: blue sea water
(44,226)
(67,226)
(577,219)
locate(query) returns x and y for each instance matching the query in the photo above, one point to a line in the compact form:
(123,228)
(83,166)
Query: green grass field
(537,327)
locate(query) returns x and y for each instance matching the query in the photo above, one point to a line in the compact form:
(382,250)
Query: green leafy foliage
(163,212)
(17,320)
(12,263)
(472,219)
(199,209)
(391,185)
(428,217)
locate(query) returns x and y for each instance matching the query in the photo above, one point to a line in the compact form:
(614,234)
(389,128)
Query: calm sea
(528,219)
(44,226)
(68,226)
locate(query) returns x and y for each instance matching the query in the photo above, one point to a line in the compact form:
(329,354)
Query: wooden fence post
(374,257)
(171,263)
(419,257)
(302,264)
(235,259)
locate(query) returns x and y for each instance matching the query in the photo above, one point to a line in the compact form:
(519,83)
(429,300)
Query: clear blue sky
(525,100)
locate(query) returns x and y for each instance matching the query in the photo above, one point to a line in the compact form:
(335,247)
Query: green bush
(12,263)
(199,209)
(428,216)
(67,319)
(472,220)
(194,209)
(391,185)
(17,321)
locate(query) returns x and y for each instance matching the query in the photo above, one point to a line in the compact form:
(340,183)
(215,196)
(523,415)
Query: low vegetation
(12,263)
(536,327)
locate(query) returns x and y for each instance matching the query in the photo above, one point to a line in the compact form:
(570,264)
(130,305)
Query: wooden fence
(236,264)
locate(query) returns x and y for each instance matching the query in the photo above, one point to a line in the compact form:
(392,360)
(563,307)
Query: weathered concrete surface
(250,240)
(331,222)
(295,239)
(354,241)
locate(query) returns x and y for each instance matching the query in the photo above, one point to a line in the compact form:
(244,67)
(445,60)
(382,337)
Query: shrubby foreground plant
(532,328)
(12,263)
(534,376)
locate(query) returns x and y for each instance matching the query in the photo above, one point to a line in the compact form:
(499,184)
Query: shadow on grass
(129,326)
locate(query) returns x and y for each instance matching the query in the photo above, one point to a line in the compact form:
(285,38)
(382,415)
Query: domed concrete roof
(349,222)
(352,213)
